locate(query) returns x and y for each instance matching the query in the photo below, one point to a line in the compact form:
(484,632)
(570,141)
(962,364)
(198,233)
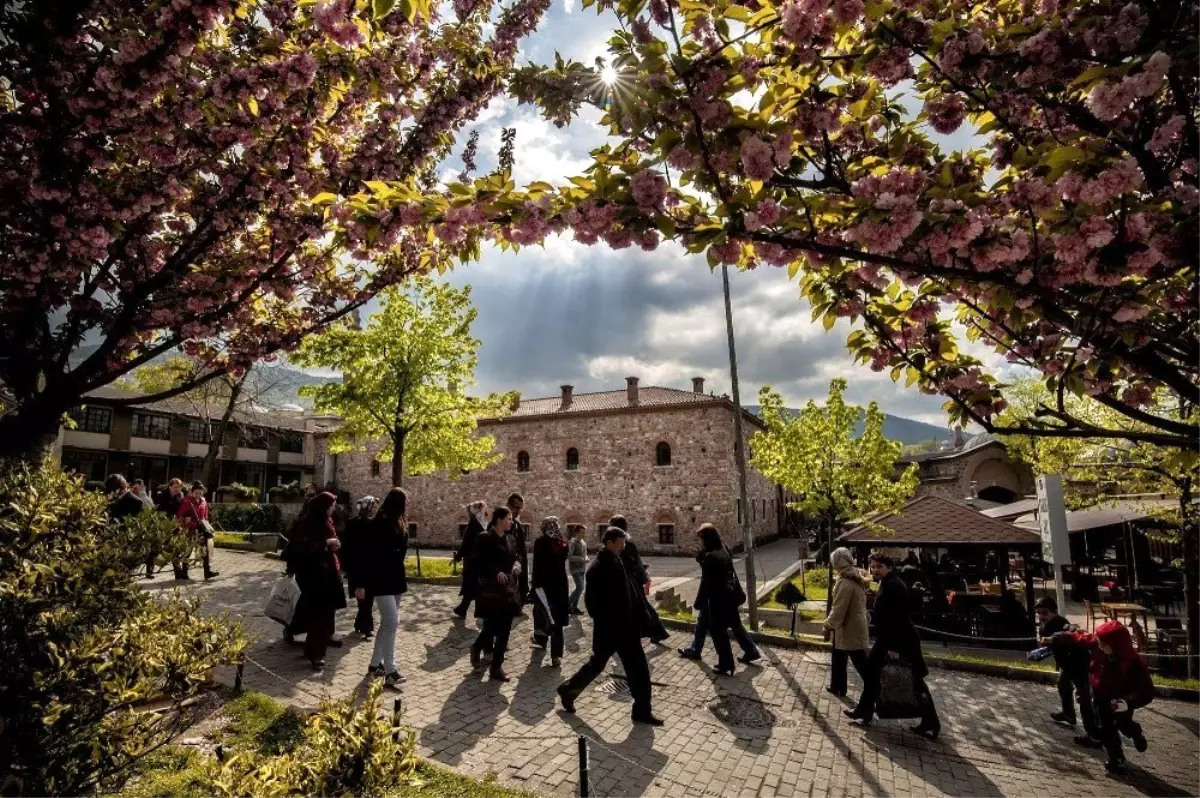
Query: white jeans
(384,652)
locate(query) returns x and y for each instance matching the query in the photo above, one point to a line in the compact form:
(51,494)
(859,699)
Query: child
(1121,683)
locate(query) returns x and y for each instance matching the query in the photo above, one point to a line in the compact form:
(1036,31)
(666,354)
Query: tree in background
(171,176)
(404,380)
(215,403)
(837,476)
(85,650)
(801,135)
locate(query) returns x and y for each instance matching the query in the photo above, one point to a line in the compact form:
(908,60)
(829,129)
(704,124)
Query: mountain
(906,430)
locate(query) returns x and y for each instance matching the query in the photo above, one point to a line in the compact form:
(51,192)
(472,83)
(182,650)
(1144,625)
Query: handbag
(205,529)
(281,604)
(898,691)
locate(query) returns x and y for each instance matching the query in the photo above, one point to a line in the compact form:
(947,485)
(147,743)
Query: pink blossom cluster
(649,188)
(766,215)
(945,113)
(803,21)
(1109,100)
(333,17)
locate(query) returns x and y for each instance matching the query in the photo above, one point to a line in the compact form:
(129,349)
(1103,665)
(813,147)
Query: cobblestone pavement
(768,731)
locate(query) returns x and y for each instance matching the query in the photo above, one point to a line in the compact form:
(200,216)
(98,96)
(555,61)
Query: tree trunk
(217,440)
(739,451)
(28,433)
(398,460)
(1191,573)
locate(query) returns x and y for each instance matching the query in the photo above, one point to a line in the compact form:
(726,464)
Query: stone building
(662,457)
(975,467)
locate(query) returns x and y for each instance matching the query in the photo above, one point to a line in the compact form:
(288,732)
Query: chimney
(958,437)
(566,396)
(631,387)
(697,385)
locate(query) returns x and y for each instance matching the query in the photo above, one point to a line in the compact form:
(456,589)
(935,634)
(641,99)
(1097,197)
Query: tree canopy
(405,379)
(171,175)
(809,136)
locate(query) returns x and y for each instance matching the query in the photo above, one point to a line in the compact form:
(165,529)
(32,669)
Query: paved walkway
(768,731)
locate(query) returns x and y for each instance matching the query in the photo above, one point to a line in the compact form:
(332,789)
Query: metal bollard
(220,752)
(397,708)
(237,679)
(584,787)
(418,560)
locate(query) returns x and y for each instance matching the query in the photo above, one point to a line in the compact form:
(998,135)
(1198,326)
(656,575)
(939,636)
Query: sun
(608,75)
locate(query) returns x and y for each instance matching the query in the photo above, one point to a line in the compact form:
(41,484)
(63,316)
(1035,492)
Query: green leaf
(381,8)
(324,198)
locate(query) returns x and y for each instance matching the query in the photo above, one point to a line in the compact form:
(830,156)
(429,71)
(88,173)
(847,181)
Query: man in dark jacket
(167,502)
(121,501)
(476,515)
(652,626)
(614,602)
(1072,663)
(515,504)
(895,638)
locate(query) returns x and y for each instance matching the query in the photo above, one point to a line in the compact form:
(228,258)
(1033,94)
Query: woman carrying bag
(312,557)
(384,547)
(721,594)
(498,599)
(193,514)
(550,580)
(847,621)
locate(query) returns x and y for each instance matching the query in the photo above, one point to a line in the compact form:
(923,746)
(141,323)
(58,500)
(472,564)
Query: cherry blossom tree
(172,170)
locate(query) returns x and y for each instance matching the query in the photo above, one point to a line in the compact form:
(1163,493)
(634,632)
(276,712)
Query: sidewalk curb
(1014,673)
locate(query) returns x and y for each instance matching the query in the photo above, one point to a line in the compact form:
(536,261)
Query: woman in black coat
(384,547)
(720,594)
(498,599)
(895,638)
(312,556)
(477,515)
(550,575)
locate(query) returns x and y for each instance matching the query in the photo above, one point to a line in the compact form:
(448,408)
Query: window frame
(84,415)
(414,530)
(199,424)
(522,462)
(375,467)
(462,529)
(251,437)
(137,430)
(572,459)
(293,437)
(670,528)
(659,449)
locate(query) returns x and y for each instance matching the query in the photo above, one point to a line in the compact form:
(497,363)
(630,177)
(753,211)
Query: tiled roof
(973,443)
(649,396)
(934,521)
(182,407)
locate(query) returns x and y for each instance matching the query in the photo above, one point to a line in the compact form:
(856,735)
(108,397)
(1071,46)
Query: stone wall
(988,467)
(617,473)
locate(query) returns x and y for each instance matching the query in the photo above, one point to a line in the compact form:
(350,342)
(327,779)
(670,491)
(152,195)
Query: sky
(586,316)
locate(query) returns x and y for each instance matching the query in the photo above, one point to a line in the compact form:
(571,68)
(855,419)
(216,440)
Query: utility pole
(739,449)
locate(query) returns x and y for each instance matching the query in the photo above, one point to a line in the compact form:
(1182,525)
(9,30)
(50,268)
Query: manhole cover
(744,713)
(617,688)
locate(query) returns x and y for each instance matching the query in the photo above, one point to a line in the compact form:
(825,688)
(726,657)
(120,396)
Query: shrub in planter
(245,493)
(246,517)
(287,492)
(82,646)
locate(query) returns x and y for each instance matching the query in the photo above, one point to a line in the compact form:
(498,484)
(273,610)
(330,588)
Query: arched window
(662,454)
(374,468)
(572,459)
(522,461)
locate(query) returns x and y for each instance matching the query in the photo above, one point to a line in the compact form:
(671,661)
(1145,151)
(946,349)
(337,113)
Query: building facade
(663,458)
(975,467)
(157,441)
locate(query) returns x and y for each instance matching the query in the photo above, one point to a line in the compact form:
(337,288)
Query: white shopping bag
(281,606)
(545,602)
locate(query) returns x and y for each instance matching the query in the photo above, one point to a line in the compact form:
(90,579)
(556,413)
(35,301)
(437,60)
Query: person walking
(720,594)
(577,560)
(549,582)
(847,621)
(312,556)
(385,545)
(614,601)
(356,561)
(498,599)
(750,650)
(652,625)
(167,502)
(193,514)
(516,503)
(1072,664)
(476,526)
(138,489)
(895,638)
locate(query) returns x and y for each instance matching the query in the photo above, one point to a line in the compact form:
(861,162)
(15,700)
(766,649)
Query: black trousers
(1070,686)
(871,687)
(838,672)
(546,630)
(633,659)
(364,621)
(1112,724)
(494,636)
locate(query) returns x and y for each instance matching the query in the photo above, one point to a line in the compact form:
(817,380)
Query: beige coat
(848,617)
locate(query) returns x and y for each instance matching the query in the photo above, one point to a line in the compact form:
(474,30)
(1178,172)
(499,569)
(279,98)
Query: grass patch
(687,616)
(230,537)
(814,589)
(434,781)
(261,724)
(1159,681)
(171,770)
(1171,681)
(430,566)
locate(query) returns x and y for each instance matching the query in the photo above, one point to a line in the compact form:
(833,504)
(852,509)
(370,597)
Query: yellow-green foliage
(82,646)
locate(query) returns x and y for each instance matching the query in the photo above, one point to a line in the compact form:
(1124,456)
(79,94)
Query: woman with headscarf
(476,525)
(720,594)
(550,581)
(385,545)
(354,559)
(847,620)
(312,557)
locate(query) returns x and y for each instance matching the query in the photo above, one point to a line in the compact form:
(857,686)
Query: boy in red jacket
(1121,683)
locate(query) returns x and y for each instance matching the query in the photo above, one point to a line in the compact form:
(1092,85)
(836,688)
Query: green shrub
(287,491)
(151,532)
(246,517)
(246,493)
(82,646)
(348,749)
